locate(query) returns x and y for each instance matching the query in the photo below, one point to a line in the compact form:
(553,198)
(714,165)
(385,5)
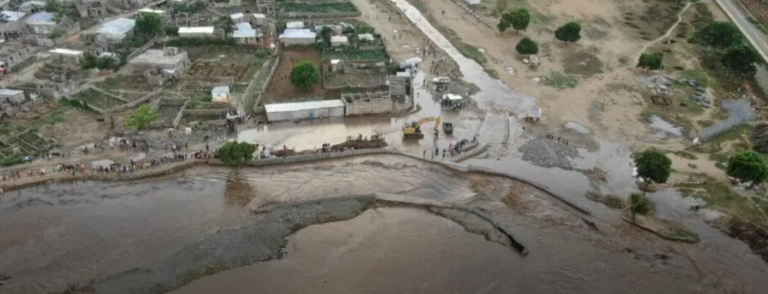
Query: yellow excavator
(412,130)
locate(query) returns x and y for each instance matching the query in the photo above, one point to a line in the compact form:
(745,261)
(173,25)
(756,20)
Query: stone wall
(135,103)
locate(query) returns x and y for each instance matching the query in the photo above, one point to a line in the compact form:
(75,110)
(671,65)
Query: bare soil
(280,88)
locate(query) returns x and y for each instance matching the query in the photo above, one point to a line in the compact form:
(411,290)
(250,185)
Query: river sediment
(265,239)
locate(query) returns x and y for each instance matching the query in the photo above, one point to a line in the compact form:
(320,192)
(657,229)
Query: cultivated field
(280,88)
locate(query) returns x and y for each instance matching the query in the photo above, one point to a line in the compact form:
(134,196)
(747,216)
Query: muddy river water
(63,234)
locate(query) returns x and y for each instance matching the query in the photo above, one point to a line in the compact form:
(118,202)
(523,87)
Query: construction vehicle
(412,130)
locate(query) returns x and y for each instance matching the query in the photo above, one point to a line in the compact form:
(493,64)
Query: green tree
(741,59)
(325,37)
(142,118)
(226,25)
(304,76)
(653,166)
(649,60)
(519,18)
(503,25)
(638,205)
(569,32)
(236,153)
(149,25)
(526,46)
(747,166)
(719,34)
(52,6)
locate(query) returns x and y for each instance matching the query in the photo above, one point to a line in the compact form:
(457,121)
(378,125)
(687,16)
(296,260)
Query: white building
(220,94)
(304,110)
(339,41)
(294,25)
(365,37)
(196,32)
(114,31)
(291,37)
(67,55)
(238,17)
(149,10)
(10,95)
(41,23)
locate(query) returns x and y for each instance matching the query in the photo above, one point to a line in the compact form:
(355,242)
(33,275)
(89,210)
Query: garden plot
(97,99)
(127,87)
(280,88)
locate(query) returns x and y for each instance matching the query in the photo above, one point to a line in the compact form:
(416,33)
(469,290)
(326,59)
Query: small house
(259,19)
(238,17)
(293,37)
(42,23)
(534,114)
(114,31)
(11,96)
(246,35)
(12,55)
(12,27)
(220,94)
(196,32)
(67,55)
(339,41)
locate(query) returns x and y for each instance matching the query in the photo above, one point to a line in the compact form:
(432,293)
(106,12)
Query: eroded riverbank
(130,225)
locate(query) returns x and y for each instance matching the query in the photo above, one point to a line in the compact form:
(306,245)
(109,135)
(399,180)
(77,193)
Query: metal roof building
(304,110)
(115,30)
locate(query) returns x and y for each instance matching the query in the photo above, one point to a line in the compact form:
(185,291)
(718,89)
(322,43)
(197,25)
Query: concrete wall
(133,104)
(305,114)
(320,15)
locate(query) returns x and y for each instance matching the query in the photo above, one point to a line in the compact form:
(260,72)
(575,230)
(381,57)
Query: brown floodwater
(64,234)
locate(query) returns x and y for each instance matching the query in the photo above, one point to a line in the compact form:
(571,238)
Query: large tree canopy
(652,165)
(569,32)
(150,25)
(304,76)
(519,19)
(747,166)
(236,153)
(719,34)
(741,59)
(142,118)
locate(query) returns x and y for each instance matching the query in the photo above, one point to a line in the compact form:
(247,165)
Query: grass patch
(722,197)
(582,63)
(561,81)
(696,74)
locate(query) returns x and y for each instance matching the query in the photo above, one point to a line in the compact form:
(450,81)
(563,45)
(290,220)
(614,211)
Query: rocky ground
(548,152)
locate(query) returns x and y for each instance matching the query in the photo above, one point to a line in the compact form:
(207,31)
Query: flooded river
(67,233)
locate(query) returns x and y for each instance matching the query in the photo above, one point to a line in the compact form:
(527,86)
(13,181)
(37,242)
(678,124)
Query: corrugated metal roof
(192,30)
(117,28)
(237,15)
(220,90)
(243,26)
(41,18)
(10,92)
(247,33)
(297,106)
(297,33)
(12,15)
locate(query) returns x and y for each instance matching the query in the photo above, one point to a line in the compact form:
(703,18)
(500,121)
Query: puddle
(657,123)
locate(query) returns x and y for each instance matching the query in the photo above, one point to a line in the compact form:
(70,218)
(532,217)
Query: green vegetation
(650,61)
(569,32)
(236,153)
(720,196)
(104,62)
(638,204)
(747,166)
(304,76)
(726,50)
(11,160)
(653,166)
(149,25)
(226,25)
(719,35)
(526,46)
(188,8)
(142,118)
(561,81)
(519,19)
(317,7)
(74,103)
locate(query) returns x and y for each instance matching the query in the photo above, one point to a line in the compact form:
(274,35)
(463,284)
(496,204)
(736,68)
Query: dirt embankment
(264,240)
(754,235)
